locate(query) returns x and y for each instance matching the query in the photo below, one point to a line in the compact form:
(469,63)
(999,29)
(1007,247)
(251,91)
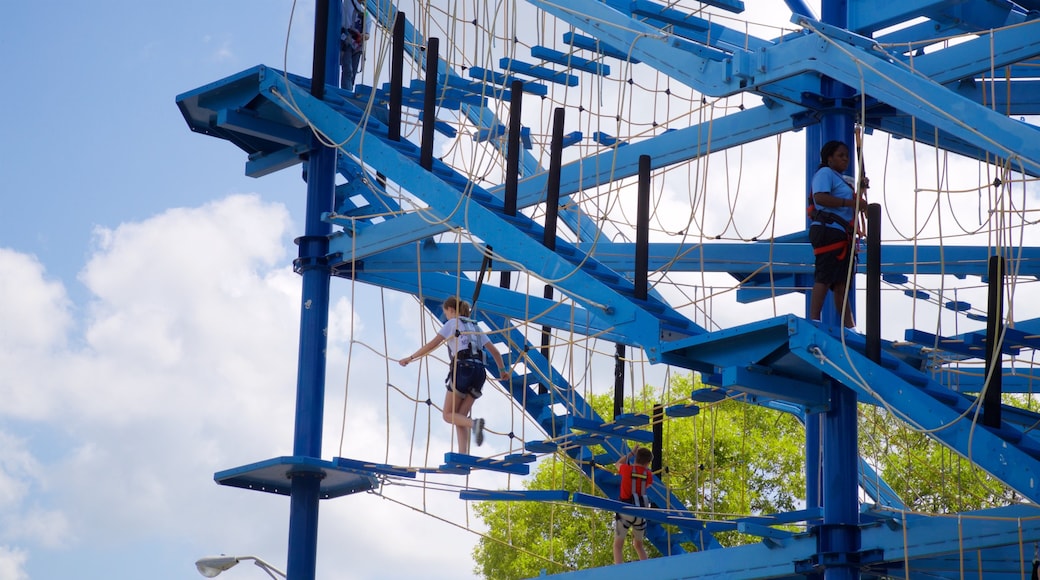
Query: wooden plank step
(520,495)
(688,410)
(490,76)
(538,72)
(628,432)
(380,468)
(595,45)
(632,419)
(458,460)
(575,62)
(709,395)
(541,446)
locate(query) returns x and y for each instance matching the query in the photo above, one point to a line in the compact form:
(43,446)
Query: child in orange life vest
(635,481)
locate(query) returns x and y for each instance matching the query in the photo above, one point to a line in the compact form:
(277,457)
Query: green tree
(927,476)
(731,459)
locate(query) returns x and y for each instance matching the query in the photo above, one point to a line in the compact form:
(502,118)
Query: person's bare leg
(637,543)
(454,413)
(463,431)
(816,298)
(841,303)
(619,549)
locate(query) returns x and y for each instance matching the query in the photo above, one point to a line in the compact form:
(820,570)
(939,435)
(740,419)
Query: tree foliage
(732,459)
(716,463)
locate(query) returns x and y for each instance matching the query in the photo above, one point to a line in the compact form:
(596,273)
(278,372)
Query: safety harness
(471,352)
(826,218)
(639,477)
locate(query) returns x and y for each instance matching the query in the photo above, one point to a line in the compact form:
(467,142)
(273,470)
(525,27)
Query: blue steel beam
(386,13)
(902,88)
(997,456)
(625,315)
(494,300)
(541,408)
(673,147)
(868,17)
(884,80)
(738,258)
(950,547)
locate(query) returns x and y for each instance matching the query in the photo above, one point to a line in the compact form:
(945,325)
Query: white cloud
(185,366)
(12,564)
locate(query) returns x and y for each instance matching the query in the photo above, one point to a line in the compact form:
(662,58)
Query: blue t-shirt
(830,181)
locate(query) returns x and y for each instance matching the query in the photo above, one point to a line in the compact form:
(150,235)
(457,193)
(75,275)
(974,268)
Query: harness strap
(842,245)
(639,487)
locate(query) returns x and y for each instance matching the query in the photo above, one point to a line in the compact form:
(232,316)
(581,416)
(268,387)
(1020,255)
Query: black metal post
(994,384)
(429,104)
(642,258)
(552,206)
(658,444)
(873,306)
(619,378)
(396,79)
(512,160)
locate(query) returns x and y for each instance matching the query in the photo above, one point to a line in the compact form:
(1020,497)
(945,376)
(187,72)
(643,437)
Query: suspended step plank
(538,72)
(447,98)
(628,432)
(957,345)
(575,62)
(632,419)
(709,395)
(514,464)
(506,495)
(478,88)
(441,127)
(490,76)
(541,446)
(688,410)
(607,140)
(378,468)
(679,518)
(595,45)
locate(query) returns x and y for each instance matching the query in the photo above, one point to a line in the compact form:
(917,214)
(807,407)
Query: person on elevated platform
(635,480)
(832,208)
(466,377)
(353,34)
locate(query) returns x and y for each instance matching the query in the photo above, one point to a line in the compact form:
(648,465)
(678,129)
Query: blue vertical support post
(305,484)
(839,538)
(813,476)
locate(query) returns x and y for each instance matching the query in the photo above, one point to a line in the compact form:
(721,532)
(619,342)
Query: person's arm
(424,350)
(503,372)
(624,459)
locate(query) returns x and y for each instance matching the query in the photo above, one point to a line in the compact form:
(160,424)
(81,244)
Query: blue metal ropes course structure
(884,65)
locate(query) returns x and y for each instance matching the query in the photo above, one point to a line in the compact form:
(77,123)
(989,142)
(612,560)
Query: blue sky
(149,314)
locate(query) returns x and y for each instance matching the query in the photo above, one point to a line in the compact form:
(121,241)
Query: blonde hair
(458,305)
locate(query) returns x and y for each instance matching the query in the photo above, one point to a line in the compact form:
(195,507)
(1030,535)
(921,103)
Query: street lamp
(210,566)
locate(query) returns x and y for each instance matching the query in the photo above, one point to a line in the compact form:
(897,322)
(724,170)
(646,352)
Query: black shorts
(832,266)
(467,379)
